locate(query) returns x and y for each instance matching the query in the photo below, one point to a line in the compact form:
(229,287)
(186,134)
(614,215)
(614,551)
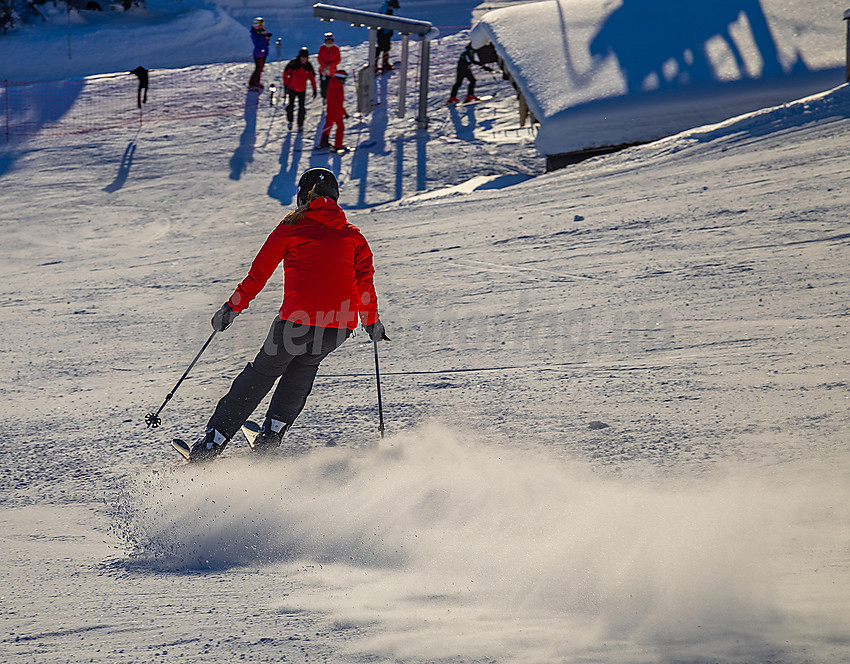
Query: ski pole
(152,419)
(378,382)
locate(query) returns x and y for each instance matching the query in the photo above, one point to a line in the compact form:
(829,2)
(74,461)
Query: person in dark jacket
(260,37)
(328,287)
(384,39)
(296,75)
(464,71)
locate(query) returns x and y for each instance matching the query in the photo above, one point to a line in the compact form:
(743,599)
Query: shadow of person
(244,153)
(463,119)
(282,186)
(123,169)
(375,144)
(7,160)
(671,48)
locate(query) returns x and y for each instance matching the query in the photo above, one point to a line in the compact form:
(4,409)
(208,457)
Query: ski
(474,101)
(250,430)
(182,447)
(380,71)
(326,149)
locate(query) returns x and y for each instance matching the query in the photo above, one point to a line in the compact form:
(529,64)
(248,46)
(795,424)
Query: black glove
(376,331)
(314,93)
(223,317)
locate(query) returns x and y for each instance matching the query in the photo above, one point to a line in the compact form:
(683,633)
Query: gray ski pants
(292,353)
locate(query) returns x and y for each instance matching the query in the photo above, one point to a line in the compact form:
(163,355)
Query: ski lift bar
(404,26)
(358,17)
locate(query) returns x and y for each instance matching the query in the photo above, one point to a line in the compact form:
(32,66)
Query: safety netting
(110,101)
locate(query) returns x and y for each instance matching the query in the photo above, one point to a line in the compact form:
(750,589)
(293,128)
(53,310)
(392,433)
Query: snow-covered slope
(635,375)
(179,33)
(616,396)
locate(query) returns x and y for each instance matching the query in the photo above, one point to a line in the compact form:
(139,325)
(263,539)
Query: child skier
(467,58)
(328,286)
(335,112)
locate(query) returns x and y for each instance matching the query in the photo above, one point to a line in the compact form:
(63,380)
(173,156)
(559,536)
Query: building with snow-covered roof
(601,74)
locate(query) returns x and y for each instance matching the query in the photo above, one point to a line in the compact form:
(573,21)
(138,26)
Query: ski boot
(208,447)
(268,440)
(453,100)
(470,98)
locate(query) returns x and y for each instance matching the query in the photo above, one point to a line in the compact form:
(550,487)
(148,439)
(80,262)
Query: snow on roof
(597,73)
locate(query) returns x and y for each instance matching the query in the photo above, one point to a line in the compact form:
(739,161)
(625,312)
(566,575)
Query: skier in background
(260,37)
(384,37)
(467,58)
(329,59)
(335,112)
(328,286)
(296,74)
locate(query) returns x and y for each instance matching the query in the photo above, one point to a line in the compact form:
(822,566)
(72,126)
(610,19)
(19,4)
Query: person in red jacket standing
(329,59)
(334,112)
(328,288)
(296,74)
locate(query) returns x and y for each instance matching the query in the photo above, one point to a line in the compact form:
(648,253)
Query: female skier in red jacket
(328,287)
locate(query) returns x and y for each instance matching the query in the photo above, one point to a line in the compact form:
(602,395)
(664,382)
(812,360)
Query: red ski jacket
(335,110)
(327,270)
(329,59)
(296,75)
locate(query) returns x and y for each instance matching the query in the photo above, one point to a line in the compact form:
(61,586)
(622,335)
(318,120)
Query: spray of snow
(453,545)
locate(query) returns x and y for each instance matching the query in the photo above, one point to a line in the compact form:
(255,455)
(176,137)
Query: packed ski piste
(615,396)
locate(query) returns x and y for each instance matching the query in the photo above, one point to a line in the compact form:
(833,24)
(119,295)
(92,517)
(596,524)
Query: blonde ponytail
(294,216)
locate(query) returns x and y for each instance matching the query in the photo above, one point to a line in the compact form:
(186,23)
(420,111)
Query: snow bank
(599,74)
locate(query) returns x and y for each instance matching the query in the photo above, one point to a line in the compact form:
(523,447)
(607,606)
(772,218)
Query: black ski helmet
(317,180)
(304,52)
(341,75)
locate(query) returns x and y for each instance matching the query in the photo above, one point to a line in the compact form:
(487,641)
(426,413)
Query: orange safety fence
(110,101)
